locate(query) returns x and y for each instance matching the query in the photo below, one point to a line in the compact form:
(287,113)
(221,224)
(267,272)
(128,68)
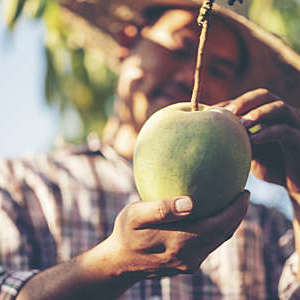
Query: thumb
(161,211)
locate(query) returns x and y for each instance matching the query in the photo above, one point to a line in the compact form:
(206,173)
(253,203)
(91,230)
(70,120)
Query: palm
(268,163)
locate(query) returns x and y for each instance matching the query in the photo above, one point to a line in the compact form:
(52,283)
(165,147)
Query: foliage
(279,17)
(77,77)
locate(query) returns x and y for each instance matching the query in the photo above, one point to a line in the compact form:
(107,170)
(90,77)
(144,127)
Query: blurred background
(56,88)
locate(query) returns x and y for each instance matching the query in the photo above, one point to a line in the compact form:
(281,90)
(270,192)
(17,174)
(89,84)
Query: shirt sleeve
(289,286)
(278,246)
(280,255)
(15,246)
(12,282)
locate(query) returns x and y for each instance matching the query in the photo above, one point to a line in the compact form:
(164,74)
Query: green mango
(204,154)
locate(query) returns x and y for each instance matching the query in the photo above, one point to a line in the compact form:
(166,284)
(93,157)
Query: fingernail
(183,205)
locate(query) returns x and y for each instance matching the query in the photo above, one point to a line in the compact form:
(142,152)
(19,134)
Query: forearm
(94,274)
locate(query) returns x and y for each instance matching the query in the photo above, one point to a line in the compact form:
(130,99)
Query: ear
(127,38)
(128,35)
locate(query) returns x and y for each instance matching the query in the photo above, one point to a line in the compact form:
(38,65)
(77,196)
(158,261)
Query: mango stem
(203,22)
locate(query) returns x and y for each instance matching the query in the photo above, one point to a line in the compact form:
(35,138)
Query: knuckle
(166,260)
(161,212)
(170,256)
(254,114)
(282,104)
(233,106)
(282,107)
(129,213)
(263,91)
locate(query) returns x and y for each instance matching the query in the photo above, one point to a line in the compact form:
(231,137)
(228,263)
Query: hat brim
(271,63)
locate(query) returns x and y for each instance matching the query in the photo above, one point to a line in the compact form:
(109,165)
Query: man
(57,213)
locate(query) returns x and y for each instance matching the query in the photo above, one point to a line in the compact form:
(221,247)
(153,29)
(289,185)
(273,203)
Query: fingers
(251,100)
(225,223)
(223,103)
(260,109)
(280,133)
(178,245)
(143,214)
(272,113)
(232,216)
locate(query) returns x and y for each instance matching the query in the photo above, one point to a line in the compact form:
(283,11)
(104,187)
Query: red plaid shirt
(53,208)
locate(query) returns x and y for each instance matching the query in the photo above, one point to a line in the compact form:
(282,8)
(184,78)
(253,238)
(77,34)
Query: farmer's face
(160,69)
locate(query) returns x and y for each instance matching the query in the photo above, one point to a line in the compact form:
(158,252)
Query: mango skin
(204,154)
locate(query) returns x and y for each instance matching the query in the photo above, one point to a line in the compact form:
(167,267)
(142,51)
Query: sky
(28,126)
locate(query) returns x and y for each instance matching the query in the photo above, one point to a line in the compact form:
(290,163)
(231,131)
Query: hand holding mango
(204,154)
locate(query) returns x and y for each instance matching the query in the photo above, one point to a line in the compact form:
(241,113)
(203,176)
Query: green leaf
(12,11)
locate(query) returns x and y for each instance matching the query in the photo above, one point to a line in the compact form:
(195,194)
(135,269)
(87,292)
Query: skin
(146,85)
(149,239)
(154,238)
(276,146)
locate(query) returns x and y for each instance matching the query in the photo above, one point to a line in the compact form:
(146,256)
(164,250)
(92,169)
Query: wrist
(95,272)
(104,267)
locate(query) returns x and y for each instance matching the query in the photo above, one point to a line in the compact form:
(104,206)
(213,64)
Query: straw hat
(272,64)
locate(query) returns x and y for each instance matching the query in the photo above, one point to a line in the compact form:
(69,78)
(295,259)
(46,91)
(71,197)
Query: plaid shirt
(56,207)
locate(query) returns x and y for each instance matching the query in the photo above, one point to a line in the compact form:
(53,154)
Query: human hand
(156,239)
(276,146)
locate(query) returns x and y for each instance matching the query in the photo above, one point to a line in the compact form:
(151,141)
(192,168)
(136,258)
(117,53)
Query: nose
(184,74)
(184,77)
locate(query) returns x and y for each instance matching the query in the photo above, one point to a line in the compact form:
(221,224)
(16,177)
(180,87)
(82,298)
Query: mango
(204,154)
